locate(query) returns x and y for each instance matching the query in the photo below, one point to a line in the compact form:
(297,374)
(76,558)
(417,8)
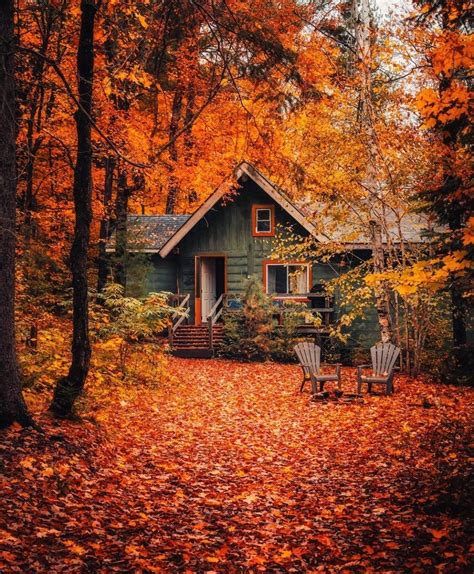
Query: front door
(208,286)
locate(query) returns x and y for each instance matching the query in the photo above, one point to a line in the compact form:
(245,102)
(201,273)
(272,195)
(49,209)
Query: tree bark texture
(124,193)
(12,405)
(121,211)
(104,230)
(70,387)
(382,301)
(176,114)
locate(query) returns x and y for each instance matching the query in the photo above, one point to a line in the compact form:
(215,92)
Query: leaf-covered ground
(227,468)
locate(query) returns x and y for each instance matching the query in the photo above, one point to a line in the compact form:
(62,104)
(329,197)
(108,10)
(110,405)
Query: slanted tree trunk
(104,230)
(70,387)
(12,405)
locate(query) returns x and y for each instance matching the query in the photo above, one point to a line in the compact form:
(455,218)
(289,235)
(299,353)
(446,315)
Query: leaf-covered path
(229,469)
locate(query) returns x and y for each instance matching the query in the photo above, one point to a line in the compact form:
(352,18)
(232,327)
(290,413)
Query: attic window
(263,220)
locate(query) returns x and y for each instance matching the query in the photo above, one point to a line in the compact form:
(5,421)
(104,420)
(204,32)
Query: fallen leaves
(227,468)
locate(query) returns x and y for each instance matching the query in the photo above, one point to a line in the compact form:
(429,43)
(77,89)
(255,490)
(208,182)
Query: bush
(125,320)
(252,333)
(247,331)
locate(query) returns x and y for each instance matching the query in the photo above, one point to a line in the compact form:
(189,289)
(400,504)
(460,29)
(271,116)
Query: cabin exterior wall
(226,230)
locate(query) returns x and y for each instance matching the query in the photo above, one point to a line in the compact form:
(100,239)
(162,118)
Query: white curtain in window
(298,279)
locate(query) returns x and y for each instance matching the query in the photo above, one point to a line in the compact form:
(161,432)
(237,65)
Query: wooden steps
(192,341)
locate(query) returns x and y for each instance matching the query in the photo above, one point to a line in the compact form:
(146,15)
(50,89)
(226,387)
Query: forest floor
(225,467)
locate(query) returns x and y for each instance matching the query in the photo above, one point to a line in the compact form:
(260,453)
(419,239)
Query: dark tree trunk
(121,211)
(49,14)
(12,405)
(176,113)
(461,352)
(124,193)
(105,225)
(188,137)
(456,216)
(70,387)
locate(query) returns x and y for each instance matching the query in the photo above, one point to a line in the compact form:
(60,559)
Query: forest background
(113,108)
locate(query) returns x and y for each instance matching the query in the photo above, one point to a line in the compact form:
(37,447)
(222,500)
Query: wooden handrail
(174,325)
(212,318)
(184,304)
(216,305)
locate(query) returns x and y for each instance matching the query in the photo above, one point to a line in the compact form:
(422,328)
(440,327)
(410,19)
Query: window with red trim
(263,220)
(287,278)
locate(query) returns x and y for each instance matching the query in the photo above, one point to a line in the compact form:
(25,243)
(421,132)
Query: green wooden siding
(162,274)
(226,229)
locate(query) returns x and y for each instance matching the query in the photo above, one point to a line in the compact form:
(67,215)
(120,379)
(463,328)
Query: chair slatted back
(384,356)
(309,355)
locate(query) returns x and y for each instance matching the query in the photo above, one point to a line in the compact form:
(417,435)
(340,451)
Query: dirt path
(230,469)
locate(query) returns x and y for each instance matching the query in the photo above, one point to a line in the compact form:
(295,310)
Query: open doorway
(210,284)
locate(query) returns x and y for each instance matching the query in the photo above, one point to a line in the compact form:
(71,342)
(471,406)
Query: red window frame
(256,233)
(296,296)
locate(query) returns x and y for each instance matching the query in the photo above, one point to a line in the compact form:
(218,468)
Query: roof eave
(247,169)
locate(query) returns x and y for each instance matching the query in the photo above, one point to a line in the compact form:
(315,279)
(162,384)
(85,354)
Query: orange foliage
(226,468)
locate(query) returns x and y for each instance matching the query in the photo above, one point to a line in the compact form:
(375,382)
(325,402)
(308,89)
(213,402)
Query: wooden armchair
(309,356)
(384,356)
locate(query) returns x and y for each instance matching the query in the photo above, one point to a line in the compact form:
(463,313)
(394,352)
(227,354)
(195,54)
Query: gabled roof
(148,233)
(266,185)
(162,233)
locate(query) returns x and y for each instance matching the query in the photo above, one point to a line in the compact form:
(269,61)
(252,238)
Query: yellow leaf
(27,462)
(142,21)
(75,548)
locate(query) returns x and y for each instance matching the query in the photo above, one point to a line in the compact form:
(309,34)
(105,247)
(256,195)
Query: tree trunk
(456,221)
(121,209)
(382,301)
(362,16)
(70,387)
(461,352)
(105,225)
(12,405)
(176,113)
(124,193)
(188,138)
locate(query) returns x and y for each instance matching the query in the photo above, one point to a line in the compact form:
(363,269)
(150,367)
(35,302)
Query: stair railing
(213,316)
(182,312)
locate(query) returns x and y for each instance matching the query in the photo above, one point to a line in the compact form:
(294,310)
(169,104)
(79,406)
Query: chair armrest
(326,366)
(360,367)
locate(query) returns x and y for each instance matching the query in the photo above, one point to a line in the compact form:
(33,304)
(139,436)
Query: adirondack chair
(384,356)
(309,356)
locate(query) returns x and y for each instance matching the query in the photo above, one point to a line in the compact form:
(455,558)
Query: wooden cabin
(205,258)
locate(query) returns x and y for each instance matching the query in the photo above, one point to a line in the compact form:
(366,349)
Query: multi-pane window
(263,220)
(287,279)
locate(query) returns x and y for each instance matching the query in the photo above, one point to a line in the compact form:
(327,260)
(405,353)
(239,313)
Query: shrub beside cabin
(205,258)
